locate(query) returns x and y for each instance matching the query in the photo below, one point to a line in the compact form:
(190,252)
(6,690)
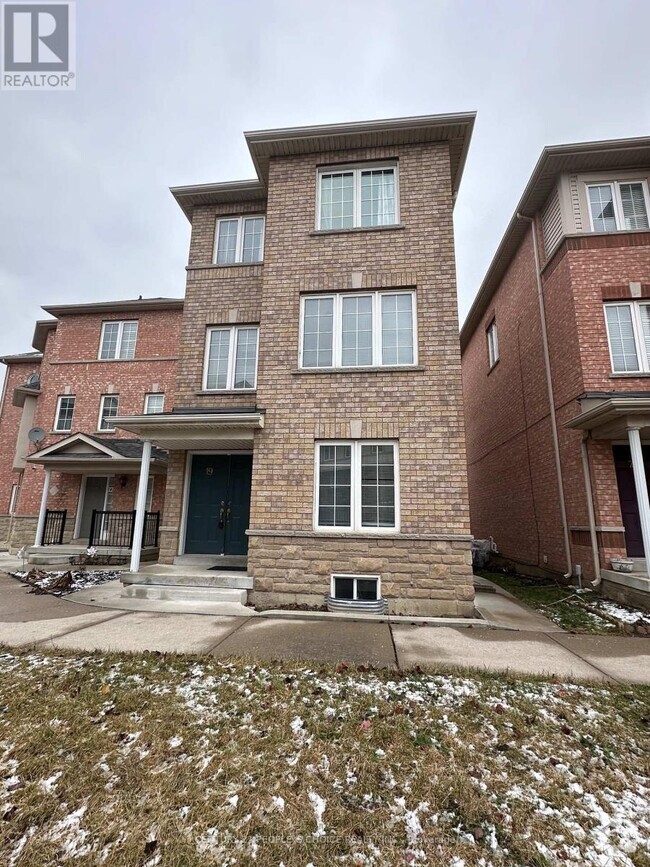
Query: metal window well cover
(379,606)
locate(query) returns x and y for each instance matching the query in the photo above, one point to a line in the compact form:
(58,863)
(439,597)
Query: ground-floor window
(356,588)
(356,486)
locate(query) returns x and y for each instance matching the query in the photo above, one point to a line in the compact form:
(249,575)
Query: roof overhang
(613,417)
(127,306)
(79,453)
(591,156)
(191,431)
(455,129)
(22,358)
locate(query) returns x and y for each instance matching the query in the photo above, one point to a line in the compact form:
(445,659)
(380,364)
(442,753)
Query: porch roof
(610,417)
(85,453)
(186,429)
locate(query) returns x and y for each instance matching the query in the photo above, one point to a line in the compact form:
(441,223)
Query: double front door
(218,506)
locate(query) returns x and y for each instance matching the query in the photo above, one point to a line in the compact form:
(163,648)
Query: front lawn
(179,761)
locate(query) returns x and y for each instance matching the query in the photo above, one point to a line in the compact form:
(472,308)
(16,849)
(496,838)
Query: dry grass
(175,761)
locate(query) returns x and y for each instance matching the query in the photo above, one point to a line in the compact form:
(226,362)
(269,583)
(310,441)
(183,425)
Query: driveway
(28,620)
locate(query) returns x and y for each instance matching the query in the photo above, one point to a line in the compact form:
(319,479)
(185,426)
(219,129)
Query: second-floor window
(231,358)
(367,330)
(358,196)
(239,240)
(154,403)
(108,407)
(492,343)
(118,340)
(617,206)
(628,332)
(64,413)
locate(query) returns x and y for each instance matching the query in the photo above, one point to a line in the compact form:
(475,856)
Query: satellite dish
(36,434)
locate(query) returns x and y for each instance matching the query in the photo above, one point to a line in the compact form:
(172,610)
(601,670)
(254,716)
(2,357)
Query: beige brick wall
(421,408)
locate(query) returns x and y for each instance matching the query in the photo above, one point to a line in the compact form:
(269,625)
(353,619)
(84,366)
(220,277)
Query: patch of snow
(319,805)
(175,741)
(49,785)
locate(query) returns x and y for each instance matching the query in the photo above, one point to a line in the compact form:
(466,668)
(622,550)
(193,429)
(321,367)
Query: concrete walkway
(534,647)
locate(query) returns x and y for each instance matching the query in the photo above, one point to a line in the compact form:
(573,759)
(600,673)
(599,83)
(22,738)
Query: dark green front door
(218,506)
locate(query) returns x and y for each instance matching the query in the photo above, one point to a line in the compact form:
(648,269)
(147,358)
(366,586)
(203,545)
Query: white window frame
(120,334)
(232,355)
(61,398)
(337,337)
(643,359)
(13,497)
(492,336)
(239,247)
(355,576)
(356,169)
(356,526)
(102,401)
(618,204)
(149,395)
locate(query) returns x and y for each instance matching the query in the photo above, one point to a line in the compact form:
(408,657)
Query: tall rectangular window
(618,205)
(492,343)
(628,333)
(108,407)
(118,340)
(349,330)
(231,358)
(356,486)
(357,196)
(239,240)
(154,403)
(64,413)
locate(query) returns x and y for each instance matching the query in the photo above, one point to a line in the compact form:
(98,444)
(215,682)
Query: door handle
(228,513)
(221,515)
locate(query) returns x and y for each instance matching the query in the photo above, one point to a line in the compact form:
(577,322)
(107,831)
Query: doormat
(228,568)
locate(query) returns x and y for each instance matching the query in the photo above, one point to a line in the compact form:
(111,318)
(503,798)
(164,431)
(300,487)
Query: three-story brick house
(556,367)
(318,427)
(91,362)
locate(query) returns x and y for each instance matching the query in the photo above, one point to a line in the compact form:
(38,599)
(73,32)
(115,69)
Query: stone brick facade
(425,567)
(514,494)
(70,365)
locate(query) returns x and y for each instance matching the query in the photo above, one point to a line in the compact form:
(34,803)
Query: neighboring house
(92,361)
(556,370)
(317,428)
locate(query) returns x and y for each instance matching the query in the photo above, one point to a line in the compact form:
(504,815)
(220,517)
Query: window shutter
(635,215)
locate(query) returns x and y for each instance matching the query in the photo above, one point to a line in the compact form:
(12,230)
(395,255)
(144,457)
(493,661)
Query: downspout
(590,511)
(551,399)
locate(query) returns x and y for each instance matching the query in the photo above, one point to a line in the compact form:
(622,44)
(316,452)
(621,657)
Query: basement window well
(356,593)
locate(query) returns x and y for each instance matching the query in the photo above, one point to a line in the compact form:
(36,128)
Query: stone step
(211,561)
(228,580)
(183,593)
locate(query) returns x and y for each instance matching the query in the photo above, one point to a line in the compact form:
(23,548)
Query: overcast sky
(166,87)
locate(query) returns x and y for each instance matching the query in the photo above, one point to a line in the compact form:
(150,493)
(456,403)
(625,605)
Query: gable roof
(620,154)
(109,448)
(291,141)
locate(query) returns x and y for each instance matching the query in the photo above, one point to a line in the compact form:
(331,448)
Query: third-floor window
(369,329)
(357,196)
(239,240)
(618,205)
(118,340)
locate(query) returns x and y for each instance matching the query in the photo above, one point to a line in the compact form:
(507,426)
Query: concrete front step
(183,593)
(226,580)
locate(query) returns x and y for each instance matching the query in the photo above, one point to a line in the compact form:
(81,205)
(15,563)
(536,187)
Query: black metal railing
(115,529)
(53,527)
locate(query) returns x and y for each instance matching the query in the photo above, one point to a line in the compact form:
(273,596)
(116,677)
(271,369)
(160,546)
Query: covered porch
(88,498)
(622,424)
(207,509)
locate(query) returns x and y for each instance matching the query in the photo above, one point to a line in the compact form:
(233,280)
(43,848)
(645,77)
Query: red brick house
(556,371)
(59,449)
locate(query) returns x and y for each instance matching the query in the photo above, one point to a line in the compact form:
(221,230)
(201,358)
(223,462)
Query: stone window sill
(642,374)
(356,229)
(388,368)
(225,391)
(221,267)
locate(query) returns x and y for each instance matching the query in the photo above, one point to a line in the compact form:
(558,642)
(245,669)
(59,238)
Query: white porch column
(140,506)
(641,486)
(41,515)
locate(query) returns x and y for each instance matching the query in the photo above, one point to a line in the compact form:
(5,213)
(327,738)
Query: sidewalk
(535,646)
